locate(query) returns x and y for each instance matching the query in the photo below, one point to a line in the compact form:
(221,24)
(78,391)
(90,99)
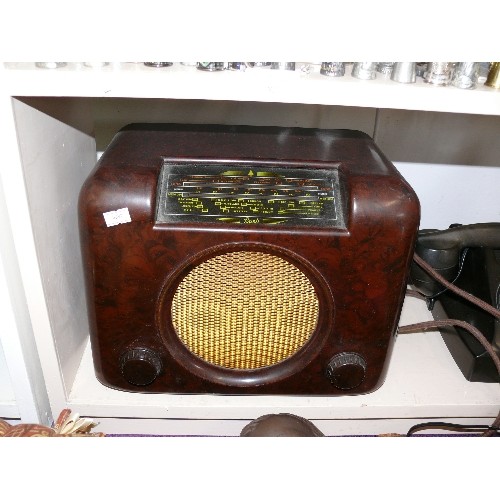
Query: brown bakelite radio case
(245,260)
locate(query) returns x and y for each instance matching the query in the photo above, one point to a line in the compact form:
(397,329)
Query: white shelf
(423,382)
(256,84)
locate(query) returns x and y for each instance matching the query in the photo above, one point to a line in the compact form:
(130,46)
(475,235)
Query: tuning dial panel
(346,370)
(140,366)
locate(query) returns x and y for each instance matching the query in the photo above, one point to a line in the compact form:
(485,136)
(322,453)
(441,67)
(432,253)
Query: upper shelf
(255,84)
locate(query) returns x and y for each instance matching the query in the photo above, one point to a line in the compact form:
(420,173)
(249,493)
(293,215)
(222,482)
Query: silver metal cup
(332,68)
(158,64)
(385,68)
(466,75)
(421,68)
(404,72)
(439,73)
(364,70)
(239,66)
(484,69)
(290,66)
(211,66)
(259,64)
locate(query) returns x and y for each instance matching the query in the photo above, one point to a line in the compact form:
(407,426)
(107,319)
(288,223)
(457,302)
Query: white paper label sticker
(120,216)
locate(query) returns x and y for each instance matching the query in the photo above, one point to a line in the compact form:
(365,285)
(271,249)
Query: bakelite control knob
(346,370)
(140,365)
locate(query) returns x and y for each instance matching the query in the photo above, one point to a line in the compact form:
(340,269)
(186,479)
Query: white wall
(452,194)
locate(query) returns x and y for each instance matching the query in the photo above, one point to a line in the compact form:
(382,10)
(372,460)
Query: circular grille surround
(238,315)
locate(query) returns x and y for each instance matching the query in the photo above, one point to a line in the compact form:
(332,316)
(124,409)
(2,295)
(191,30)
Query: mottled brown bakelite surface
(132,269)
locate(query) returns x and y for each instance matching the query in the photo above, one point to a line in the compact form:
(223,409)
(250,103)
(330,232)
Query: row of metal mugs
(464,75)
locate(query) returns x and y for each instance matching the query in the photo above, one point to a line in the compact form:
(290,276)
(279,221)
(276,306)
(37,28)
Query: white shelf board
(422,382)
(262,85)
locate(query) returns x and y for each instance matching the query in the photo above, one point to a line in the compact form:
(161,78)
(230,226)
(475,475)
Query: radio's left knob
(140,365)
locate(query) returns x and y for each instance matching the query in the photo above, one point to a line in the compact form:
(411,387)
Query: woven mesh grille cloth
(245,310)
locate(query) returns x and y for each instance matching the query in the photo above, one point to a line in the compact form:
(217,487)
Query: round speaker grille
(245,310)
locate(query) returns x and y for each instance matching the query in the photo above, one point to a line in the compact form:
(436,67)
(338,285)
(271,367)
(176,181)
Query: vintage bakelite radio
(245,260)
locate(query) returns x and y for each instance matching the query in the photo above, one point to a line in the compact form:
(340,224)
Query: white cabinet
(57,121)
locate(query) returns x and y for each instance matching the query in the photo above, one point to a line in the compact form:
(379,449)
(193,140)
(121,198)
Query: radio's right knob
(140,365)
(346,370)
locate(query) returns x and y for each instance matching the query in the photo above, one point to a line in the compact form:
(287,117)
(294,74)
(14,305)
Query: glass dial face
(249,194)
